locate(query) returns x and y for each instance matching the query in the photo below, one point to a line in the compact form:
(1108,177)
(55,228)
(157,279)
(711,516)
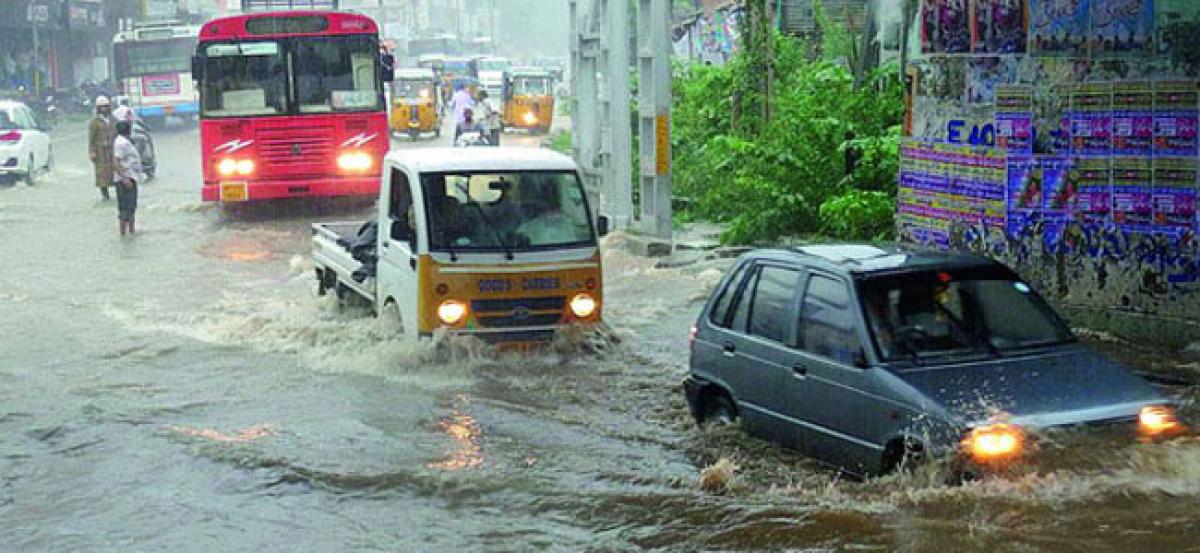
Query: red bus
(291,105)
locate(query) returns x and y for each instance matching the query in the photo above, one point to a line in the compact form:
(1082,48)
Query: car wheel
(719,410)
(31,175)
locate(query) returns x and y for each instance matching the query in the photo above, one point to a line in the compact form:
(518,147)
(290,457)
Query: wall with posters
(1061,137)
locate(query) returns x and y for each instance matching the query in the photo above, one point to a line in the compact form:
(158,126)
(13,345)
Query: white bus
(153,69)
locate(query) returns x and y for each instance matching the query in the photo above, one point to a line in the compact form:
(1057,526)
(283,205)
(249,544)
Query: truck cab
(496,243)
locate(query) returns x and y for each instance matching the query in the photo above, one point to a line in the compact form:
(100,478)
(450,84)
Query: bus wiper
(508,254)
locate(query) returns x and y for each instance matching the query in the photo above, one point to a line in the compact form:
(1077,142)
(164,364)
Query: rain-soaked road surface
(185,390)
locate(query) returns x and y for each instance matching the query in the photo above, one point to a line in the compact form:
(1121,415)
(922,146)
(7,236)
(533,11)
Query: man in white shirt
(460,103)
(127,165)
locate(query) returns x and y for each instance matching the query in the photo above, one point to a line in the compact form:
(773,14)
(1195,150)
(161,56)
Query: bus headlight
(245,167)
(354,161)
(530,118)
(450,312)
(1159,420)
(583,305)
(994,443)
(227,166)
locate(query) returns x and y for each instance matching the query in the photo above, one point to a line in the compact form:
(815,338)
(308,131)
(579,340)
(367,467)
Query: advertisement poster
(1178,24)
(986,73)
(1122,27)
(1092,181)
(1014,118)
(1024,192)
(945,27)
(1058,197)
(1091,119)
(941,184)
(1174,195)
(1132,203)
(1058,27)
(1133,119)
(998,27)
(1175,118)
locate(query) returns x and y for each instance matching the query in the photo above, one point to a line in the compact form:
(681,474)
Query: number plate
(233,192)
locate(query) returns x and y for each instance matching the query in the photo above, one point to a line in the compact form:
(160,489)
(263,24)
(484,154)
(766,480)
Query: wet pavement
(185,389)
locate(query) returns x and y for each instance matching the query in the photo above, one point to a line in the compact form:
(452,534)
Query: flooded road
(187,390)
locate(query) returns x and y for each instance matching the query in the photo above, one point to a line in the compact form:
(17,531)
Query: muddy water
(186,390)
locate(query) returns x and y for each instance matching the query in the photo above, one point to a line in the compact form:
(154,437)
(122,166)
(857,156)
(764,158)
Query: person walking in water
(101,133)
(127,164)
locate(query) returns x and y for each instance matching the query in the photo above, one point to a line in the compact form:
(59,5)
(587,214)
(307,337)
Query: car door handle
(729,348)
(800,370)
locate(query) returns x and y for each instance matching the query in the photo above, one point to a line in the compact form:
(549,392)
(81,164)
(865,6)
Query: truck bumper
(317,188)
(519,337)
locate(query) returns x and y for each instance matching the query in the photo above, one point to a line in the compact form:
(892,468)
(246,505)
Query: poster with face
(1058,27)
(1121,27)
(945,27)
(998,27)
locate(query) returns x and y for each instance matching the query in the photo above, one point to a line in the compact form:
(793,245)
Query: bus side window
(400,208)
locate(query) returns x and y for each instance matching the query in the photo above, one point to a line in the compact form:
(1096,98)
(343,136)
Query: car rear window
(771,309)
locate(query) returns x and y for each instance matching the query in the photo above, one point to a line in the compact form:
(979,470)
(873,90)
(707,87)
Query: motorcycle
(471,139)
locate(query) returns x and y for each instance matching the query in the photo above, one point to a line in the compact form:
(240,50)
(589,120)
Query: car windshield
(413,89)
(978,310)
(136,59)
(529,86)
(330,74)
(509,211)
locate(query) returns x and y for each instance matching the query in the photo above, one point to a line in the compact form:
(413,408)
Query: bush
(772,176)
(859,215)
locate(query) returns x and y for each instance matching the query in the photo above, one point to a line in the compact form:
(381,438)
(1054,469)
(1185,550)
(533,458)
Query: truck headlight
(994,443)
(354,161)
(450,312)
(1159,420)
(583,305)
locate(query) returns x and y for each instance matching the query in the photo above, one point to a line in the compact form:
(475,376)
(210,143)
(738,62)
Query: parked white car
(24,148)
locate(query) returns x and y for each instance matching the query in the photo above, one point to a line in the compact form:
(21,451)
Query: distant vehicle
(416,104)
(868,357)
(292,105)
(459,72)
(493,76)
(25,148)
(153,68)
(442,45)
(495,243)
(529,100)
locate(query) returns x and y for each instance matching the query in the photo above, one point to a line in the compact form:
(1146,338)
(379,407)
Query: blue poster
(1058,27)
(1122,27)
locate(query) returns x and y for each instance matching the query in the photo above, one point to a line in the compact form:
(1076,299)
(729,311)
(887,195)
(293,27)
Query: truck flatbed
(332,252)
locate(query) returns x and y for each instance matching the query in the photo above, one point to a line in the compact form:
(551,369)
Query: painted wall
(1061,137)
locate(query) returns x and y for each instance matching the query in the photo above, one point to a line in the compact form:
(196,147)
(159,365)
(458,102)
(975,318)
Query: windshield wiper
(508,254)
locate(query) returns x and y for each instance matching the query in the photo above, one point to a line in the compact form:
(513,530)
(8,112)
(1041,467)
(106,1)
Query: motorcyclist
(489,119)
(467,125)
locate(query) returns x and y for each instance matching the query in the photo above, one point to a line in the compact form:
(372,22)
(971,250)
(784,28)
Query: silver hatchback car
(864,357)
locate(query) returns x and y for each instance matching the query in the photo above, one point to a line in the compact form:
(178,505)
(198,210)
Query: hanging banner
(945,27)
(1121,27)
(1058,27)
(998,27)
(1133,118)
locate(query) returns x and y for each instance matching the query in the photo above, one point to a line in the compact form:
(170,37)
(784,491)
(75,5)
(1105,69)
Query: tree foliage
(777,171)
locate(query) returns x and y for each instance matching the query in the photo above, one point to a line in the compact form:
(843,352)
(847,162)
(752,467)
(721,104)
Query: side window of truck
(400,208)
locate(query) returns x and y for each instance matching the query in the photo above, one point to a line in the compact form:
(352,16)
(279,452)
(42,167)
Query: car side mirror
(197,68)
(602,225)
(387,68)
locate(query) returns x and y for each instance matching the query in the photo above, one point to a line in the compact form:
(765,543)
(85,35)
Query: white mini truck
(497,243)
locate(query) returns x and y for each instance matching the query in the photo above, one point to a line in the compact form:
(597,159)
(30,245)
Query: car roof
(433,160)
(866,259)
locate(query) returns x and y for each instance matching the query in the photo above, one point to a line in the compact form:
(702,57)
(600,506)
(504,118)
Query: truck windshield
(413,90)
(329,74)
(979,310)
(135,59)
(511,211)
(531,86)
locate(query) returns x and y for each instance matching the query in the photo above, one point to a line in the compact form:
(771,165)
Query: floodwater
(186,390)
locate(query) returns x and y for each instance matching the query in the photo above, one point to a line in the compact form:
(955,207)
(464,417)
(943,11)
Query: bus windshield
(290,76)
(135,59)
(510,211)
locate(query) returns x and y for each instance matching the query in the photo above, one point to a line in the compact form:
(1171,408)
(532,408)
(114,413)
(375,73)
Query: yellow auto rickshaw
(529,100)
(416,104)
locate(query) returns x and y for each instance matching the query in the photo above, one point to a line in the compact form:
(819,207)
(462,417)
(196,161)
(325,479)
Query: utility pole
(654,115)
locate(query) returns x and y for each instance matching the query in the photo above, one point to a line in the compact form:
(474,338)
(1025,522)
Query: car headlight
(450,312)
(227,166)
(994,443)
(583,305)
(1159,420)
(245,167)
(354,161)
(530,118)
